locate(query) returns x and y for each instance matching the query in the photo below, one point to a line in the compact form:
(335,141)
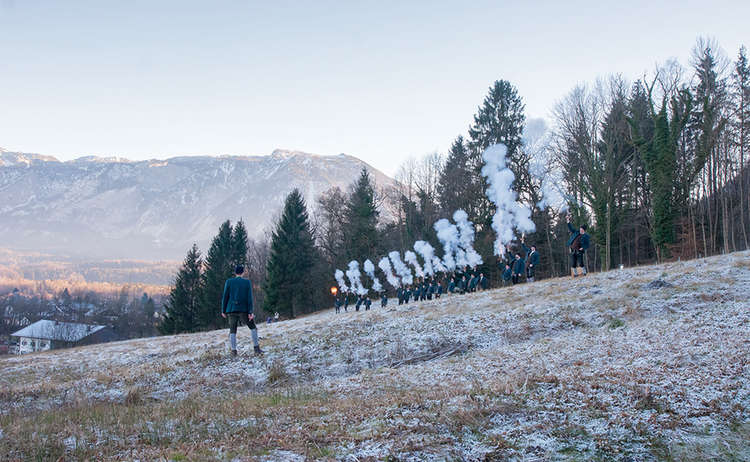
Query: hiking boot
(233,353)
(258,351)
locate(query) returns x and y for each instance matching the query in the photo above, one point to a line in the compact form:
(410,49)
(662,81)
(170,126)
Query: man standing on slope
(532,260)
(578,243)
(237,304)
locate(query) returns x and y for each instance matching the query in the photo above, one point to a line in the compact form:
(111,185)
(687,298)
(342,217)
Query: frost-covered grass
(608,367)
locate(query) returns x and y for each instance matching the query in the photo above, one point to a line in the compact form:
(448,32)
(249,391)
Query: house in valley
(51,335)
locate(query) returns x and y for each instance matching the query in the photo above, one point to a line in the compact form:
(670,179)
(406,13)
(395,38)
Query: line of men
(469,280)
(513,268)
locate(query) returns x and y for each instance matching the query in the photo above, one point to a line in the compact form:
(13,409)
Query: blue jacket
(574,233)
(534,257)
(238,296)
(507,274)
(518,266)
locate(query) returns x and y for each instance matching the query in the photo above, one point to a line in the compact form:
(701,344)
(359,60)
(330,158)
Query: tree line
(656,168)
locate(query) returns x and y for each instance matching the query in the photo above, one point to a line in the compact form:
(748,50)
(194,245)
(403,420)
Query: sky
(382,80)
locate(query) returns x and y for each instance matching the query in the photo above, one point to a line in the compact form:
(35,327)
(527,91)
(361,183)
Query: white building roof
(55,330)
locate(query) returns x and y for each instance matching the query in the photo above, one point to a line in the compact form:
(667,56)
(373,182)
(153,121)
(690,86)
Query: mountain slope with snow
(647,363)
(111,207)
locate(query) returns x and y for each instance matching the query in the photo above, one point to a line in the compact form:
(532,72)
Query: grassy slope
(595,368)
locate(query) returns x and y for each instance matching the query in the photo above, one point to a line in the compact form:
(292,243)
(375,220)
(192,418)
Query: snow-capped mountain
(118,208)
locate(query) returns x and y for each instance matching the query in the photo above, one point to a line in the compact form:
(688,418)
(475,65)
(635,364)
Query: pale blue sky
(378,80)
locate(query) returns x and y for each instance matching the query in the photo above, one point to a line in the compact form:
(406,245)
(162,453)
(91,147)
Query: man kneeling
(237,304)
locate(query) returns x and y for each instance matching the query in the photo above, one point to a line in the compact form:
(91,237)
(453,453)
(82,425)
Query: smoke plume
(447,233)
(510,214)
(354,278)
(428,253)
(411,258)
(370,270)
(466,238)
(340,280)
(385,265)
(401,269)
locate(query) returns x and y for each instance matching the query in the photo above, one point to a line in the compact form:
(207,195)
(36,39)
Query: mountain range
(117,208)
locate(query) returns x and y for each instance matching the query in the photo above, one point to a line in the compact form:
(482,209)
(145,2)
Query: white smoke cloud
(537,139)
(340,279)
(461,260)
(411,258)
(447,233)
(385,265)
(354,278)
(510,214)
(401,269)
(466,238)
(370,270)
(428,254)
(438,264)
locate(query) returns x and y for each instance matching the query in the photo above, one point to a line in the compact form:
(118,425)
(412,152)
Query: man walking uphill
(237,305)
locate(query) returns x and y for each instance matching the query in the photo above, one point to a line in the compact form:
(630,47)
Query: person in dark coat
(532,260)
(507,275)
(337,303)
(462,285)
(518,268)
(346,301)
(452,286)
(400,295)
(237,306)
(383,299)
(407,294)
(484,283)
(439,289)
(473,282)
(368,303)
(360,300)
(578,244)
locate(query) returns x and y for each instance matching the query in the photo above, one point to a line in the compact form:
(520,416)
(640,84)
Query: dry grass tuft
(134,396)
(277,373)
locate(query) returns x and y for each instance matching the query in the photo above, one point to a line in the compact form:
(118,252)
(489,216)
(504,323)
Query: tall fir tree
(219,268)
(361,238)
(288,282)
(500,119)
(239,244)
(184,301)
(457,179)
(660,158)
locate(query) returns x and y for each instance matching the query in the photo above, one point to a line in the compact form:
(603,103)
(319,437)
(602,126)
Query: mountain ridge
(156,208)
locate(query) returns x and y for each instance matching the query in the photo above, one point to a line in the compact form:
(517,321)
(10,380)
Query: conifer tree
(219,268)
(288,282)
(239,244)
(361,238)
(660,158)
(456,179)
(500,119)
(184,299)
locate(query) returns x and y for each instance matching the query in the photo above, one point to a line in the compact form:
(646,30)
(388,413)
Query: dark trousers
(516,278)
(576,259)
(236,318)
